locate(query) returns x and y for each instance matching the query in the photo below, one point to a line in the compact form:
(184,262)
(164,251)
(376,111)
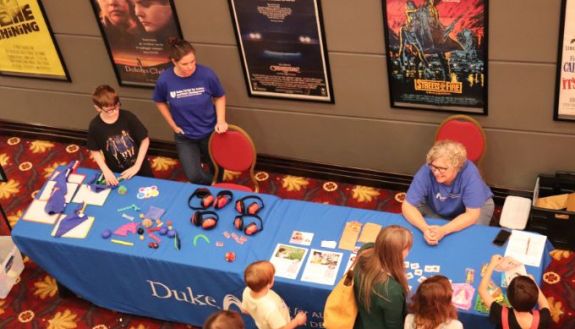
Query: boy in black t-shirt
(117,140)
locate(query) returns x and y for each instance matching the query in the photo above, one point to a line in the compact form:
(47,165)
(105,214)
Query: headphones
(205,219)
(207,199)
(249,224)
(249,205)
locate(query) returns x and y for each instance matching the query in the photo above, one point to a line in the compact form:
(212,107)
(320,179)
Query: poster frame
(121,82)
(330,98)
(430,106)
(557,115)
(66,77)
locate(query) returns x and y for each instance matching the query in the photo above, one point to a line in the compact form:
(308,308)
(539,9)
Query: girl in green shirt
(380,284)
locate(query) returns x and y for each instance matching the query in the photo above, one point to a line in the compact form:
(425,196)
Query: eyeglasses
(435,168)
(112,108)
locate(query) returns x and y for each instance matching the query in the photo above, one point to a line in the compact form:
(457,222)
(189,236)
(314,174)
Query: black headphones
(249,205)
(249,224)
(207,199)
(205,219)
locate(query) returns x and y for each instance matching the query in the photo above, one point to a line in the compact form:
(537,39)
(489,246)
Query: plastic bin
(557,225)
(12,265)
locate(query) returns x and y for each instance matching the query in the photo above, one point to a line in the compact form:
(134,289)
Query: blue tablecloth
(189,284)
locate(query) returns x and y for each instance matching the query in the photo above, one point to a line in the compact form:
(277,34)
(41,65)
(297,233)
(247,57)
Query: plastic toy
(230,256)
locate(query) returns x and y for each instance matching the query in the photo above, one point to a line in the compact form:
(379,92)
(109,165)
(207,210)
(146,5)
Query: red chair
(467,131)
(233,150)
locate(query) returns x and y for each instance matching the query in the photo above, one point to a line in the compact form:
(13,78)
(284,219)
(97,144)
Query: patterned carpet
(34,301)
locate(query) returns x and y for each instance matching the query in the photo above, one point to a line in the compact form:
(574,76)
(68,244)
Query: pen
(527,248)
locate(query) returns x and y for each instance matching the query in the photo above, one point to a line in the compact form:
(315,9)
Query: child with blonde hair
(266,307)
(431,306)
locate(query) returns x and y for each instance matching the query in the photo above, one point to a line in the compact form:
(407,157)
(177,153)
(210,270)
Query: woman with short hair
(448,186)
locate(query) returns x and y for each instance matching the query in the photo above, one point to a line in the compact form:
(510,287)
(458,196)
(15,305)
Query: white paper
(301,238)
(526,247)
(36,213)
(76,178)
(78,232)
(322,267)
(349,262)
(85,194)
(288,260)
(330,244)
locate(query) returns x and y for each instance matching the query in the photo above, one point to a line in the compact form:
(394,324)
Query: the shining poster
(565,98)
(136,33)
(437,54)
(283,49)
(27,48)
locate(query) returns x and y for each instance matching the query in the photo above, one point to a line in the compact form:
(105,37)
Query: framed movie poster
(565,88)
(437,54)
(136,33)
(27,45)
(282,48)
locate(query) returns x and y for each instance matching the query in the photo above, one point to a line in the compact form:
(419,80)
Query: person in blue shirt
(191,99)
(448,186)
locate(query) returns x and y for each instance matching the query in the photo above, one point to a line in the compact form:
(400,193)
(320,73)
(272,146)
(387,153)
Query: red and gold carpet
(34,301)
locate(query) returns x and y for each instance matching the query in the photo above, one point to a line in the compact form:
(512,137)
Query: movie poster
(437,54)
(27,47)
(136,33)
(565,98)
(283,49)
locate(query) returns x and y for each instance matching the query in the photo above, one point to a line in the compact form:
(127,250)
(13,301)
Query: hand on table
(110,177)
(130,172)
(433,234)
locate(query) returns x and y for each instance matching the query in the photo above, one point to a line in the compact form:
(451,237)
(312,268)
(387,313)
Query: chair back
(233,150)
(467,131)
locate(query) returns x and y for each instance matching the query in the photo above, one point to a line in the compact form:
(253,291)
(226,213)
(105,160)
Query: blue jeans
(191,153)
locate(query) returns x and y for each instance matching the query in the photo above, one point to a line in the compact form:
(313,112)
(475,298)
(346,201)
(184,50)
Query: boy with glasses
(117,140)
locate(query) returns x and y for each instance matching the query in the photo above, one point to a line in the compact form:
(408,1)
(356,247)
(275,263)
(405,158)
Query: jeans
(191,153)
(485,214)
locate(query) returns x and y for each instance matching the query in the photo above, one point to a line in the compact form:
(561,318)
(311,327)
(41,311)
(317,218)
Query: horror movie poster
(437,54)
(136,33)
(27,47)
(565,98)
(282,48)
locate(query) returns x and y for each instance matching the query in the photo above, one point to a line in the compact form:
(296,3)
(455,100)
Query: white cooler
(12,265)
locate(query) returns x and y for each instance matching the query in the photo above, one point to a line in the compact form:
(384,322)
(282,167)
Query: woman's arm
(221,124)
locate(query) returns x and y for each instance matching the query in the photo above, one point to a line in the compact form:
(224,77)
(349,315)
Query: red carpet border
(34,301)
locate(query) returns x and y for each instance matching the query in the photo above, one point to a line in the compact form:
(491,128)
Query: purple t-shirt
(190,99)
(468,190)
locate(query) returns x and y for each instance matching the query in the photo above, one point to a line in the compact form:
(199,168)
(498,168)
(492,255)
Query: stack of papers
(526,247)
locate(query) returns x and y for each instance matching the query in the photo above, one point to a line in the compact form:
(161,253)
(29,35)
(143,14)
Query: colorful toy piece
(106,234)
(230,256)
(122,190)
(201,236)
